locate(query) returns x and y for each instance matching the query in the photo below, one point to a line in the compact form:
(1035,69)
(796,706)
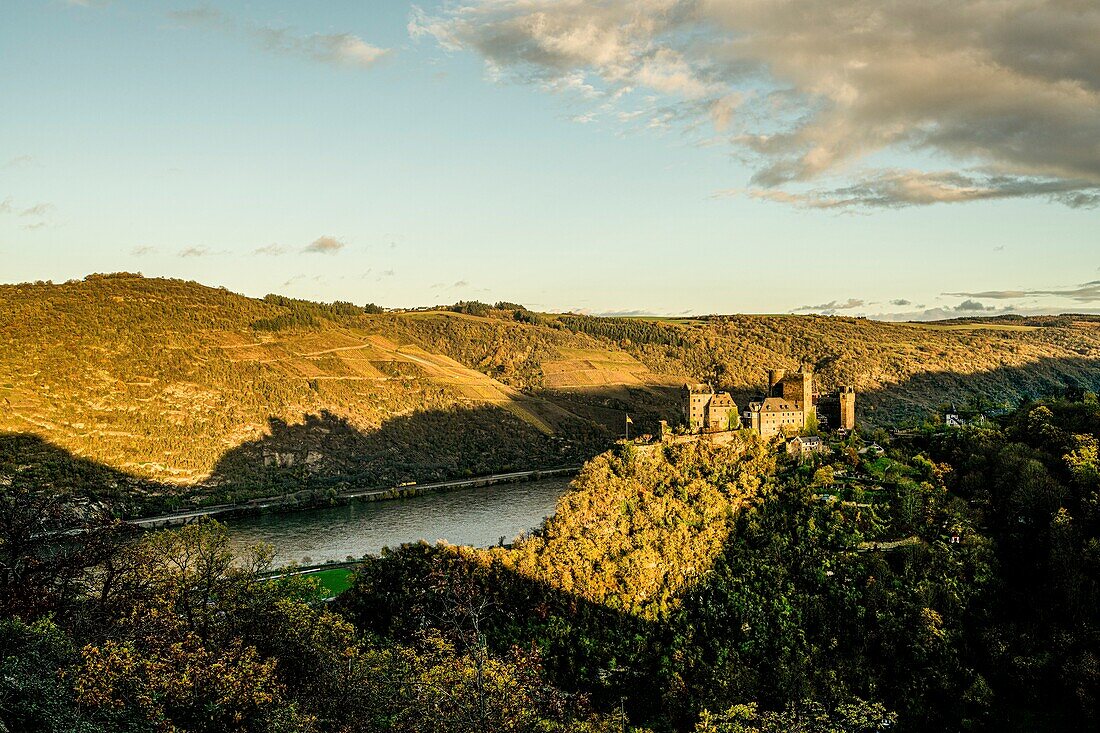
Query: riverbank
(301,501)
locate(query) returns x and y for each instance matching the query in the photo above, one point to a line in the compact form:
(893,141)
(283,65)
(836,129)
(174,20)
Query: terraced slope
(176,384)
(196,393)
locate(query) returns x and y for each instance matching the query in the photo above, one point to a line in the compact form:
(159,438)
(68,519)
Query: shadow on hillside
(326,453)
(31,463)
(608,406)
(910,400)
(922,395)
(322,454)
(612,656)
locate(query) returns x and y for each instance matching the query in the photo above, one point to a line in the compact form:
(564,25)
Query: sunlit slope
(162,378)
(638,530)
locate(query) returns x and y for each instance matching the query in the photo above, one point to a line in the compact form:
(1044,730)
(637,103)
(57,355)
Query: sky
(910,160)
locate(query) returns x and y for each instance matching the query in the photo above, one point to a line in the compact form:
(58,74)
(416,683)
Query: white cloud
(1008,91)
(338,49)
(833,306)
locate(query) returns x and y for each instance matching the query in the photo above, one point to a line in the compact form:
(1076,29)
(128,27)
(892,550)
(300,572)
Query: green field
(334,581)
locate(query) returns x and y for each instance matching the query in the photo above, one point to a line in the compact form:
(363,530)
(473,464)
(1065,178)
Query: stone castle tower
(794,388)
(847,397)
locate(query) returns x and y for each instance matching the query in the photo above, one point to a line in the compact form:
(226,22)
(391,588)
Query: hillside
(902,371)
(197,393)
(953,579)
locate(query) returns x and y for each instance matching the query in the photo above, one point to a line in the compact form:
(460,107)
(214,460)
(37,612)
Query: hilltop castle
(707,411)
(790,405)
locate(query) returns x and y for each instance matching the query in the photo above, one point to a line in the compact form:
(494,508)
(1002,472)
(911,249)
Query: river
(477,517)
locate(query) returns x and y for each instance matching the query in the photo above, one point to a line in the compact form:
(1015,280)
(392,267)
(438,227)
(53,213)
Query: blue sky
(381,152)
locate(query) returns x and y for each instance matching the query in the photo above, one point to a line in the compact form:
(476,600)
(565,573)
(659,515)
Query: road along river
(478,516)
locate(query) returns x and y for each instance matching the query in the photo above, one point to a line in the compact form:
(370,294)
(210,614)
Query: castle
(790,405)
(707,411)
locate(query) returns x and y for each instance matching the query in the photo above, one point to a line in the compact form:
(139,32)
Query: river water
(477,517)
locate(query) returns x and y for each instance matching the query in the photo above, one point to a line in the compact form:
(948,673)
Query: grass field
(334,581)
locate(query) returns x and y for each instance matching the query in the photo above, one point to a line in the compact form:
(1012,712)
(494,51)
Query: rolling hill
(181,392)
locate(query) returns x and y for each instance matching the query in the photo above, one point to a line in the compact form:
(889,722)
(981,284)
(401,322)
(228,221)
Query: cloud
(202,16)
(40,212)
(805,92)
(337,49)
(626,313)
(899,188)
(271,250)
(972,305)
(941,314)
(900,302)
(324,245)
(17,162)
(833,306)
(1085,293)
(41,209)
(142,250)
(196,252)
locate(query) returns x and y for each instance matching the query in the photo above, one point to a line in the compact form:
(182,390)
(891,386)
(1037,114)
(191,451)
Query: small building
(806,445)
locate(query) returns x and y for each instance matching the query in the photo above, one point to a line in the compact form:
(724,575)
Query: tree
(47,544)
(808,716)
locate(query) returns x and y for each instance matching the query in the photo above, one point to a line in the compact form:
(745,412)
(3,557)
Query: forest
(948,581)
